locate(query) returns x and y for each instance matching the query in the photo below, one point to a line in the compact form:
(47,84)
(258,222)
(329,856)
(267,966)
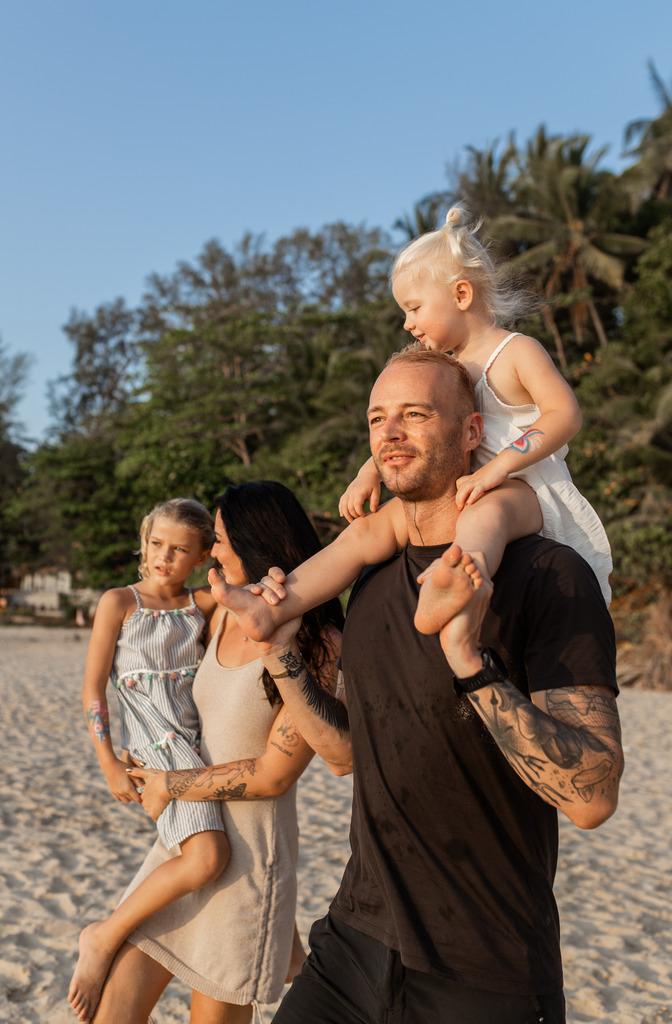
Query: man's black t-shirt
(453,856)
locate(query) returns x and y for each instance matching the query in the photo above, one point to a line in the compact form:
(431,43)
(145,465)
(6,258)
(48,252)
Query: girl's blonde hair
(184,511)
(453,252)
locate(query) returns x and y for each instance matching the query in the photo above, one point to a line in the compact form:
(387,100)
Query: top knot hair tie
(454,217)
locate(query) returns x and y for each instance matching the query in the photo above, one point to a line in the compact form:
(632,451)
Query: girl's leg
(205,1010)
(297,958)
(366,541)
(204,856)
(132,988)
(483,531)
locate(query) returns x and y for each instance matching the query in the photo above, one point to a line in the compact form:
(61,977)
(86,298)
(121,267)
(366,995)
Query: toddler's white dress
(567,517)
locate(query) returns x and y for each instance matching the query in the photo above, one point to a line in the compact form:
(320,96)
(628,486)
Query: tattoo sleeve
(569,750)
(98,721)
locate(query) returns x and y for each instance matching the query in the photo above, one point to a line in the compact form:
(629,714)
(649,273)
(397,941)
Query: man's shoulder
(545,573)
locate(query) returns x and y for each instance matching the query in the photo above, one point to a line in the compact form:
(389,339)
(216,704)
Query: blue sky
(135,130)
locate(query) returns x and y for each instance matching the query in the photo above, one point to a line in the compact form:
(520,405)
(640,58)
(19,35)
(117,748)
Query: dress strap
(136,595)
(192,602)
(499,348)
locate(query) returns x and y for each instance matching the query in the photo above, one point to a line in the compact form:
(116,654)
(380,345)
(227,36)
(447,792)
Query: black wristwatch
(493,671)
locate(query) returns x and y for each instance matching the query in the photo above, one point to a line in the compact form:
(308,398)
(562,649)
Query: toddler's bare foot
(448,584)
(252,613)
(90,973)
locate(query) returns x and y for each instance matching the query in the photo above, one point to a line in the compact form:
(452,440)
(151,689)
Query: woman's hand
(270,587)
(281,641)
(153,790)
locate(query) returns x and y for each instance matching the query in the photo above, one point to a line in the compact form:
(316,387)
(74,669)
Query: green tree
(562,230)
(650,141)
(622,460)
(13,375)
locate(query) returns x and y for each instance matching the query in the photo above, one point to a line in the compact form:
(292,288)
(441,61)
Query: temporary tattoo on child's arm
(530,440)
(98,721)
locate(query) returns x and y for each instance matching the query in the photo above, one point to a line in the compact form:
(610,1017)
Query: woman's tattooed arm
(329,707)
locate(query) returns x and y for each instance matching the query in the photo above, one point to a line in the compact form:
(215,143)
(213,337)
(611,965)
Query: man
(446,911)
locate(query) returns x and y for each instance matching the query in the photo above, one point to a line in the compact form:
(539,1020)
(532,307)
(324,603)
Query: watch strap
(493,671)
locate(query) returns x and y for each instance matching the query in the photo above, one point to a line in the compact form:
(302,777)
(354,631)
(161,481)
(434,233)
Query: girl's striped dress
(155,661)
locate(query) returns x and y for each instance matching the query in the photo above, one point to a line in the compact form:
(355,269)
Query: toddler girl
(446,284)
(148,639)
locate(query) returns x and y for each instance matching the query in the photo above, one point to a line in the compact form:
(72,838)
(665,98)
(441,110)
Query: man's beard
(429,478)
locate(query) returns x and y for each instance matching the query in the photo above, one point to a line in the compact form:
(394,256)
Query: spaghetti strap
(499,348)
(136,595)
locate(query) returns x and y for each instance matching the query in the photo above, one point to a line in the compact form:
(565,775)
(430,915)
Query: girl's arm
(205,601)
(365,541)
(284,760)
(365,487)
(111,613)
(526,376)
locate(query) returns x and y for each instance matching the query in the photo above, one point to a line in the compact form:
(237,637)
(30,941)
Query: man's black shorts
(350,978)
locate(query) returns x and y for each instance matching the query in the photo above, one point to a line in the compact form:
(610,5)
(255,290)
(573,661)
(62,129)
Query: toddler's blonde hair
(453,252)
(186,512)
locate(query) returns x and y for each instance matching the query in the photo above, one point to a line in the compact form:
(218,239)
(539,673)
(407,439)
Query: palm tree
(653,148)
(560,230)
(485,182)
(425,216)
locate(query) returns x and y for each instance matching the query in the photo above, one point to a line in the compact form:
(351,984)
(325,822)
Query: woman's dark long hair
(266,526)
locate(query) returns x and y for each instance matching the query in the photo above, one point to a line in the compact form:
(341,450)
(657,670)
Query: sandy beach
(68,850)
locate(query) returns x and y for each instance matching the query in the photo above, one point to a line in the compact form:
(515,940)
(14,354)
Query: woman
(232,941)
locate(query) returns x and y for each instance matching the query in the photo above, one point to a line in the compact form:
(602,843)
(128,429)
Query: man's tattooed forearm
(555,757)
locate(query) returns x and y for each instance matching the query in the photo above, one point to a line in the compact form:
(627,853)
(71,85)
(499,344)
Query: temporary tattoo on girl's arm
(530,440)
(98,721)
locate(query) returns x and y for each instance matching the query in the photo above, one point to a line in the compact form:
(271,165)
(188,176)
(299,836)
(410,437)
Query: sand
(67,850)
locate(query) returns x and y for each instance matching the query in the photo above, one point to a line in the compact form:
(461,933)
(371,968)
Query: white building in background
(43,591)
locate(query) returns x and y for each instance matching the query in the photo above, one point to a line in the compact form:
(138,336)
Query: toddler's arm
(106,625)
(365,487)
(365,541)
(532,375)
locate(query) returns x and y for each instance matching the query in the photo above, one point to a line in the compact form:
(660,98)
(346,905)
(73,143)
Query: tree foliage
(258,362)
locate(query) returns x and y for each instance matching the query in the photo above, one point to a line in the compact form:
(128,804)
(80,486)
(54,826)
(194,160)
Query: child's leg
(500,516)
(367,541)
(203,858)
(483,530)
(297,958)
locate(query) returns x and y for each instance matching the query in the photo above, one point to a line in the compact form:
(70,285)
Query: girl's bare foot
(448,584)
(251,612)
(90,973)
